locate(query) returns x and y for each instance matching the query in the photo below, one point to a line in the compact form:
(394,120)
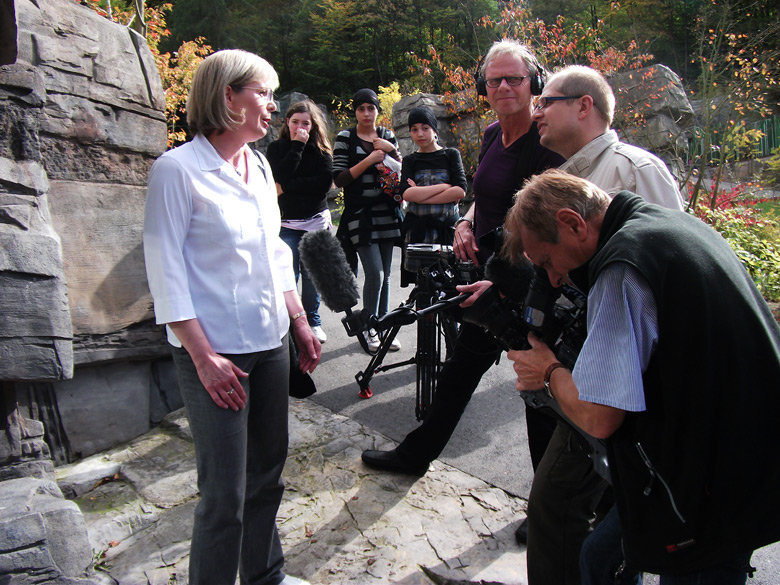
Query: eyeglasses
(496,81)
(262,92)
(543,102)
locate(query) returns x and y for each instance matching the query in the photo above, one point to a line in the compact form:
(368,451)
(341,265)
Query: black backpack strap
(490,138)
(525,160)
(261,164)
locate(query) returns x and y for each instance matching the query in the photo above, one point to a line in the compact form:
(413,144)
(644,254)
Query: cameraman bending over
(574,115)
(510,154)
(678,373)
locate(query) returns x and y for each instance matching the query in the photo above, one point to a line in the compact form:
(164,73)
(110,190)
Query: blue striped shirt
(622,334)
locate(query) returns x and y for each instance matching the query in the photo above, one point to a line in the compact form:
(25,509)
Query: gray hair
(514,48)
(538,202)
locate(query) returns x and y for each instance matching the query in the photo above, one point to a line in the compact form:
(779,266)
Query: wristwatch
(553,366)
(471,222)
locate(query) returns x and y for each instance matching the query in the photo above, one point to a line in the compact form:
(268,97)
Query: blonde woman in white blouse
(223,284)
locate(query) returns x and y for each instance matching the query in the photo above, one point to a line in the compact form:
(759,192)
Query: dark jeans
(309,295)
(376,259)
(565,492)
(602,556)
(473,354)
(240,457)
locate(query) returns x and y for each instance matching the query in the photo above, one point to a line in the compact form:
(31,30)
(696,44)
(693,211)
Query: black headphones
(537,79)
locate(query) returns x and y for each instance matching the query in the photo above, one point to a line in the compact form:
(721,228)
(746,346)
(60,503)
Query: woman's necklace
(240,167)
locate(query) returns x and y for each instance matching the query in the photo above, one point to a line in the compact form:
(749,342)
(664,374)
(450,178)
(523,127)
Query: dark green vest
(697,475)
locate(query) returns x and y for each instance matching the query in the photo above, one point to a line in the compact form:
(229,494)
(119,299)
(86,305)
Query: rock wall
(81,122)
(35,340)
(101,127)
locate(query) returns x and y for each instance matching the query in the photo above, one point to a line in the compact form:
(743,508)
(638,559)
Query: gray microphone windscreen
(324,259)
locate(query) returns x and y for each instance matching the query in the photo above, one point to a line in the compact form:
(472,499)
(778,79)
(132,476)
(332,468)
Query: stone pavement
(340,522)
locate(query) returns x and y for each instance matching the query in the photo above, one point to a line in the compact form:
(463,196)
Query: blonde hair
(581,80)
(538,202)
(319,125)
(207,110)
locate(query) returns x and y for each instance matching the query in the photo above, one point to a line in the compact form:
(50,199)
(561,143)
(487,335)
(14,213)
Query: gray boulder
(401,120)
(656,94)
(43,537)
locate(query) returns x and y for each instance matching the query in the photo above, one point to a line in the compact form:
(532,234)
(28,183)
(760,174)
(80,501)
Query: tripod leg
(449,331)
(375,365)
(427,363)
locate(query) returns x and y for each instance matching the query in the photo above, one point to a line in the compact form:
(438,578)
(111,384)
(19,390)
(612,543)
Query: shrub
(751,228)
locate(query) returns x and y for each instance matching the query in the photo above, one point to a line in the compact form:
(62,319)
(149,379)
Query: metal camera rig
(529,303)
(438,273)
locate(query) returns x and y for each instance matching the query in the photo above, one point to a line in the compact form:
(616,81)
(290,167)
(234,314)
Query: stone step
(339,521)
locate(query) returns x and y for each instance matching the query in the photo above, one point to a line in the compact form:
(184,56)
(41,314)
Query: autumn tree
(737,84)
(561,42)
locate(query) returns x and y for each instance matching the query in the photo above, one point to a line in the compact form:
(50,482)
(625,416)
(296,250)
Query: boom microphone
(325,261)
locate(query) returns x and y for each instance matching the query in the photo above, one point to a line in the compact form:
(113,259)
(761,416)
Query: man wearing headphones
(511,153)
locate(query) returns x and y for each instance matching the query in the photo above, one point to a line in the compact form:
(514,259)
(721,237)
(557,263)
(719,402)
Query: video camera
(510,313)
(438,269)
(530,303)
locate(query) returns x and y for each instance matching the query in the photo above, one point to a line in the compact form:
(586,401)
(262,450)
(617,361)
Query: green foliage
(771,173)
(738,73)
(388,97)
(329,48)
(192,19)
(754,235)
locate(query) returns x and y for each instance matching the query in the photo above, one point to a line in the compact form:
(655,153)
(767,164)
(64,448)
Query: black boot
(391,461)
(521,534)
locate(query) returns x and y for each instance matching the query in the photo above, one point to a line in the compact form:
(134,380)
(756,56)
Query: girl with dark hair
(371,221)
(302,164)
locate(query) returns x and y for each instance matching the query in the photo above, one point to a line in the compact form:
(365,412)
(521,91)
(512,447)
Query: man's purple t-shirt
(496,180)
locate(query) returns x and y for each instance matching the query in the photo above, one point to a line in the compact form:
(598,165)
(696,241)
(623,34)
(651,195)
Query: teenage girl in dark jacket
(302,164)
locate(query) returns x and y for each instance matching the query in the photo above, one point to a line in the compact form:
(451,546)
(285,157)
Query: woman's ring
(229,392)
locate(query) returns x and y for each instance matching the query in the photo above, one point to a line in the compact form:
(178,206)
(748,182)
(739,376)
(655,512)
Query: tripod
(436,330)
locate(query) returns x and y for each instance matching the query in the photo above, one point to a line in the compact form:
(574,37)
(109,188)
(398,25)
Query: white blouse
(213,251)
